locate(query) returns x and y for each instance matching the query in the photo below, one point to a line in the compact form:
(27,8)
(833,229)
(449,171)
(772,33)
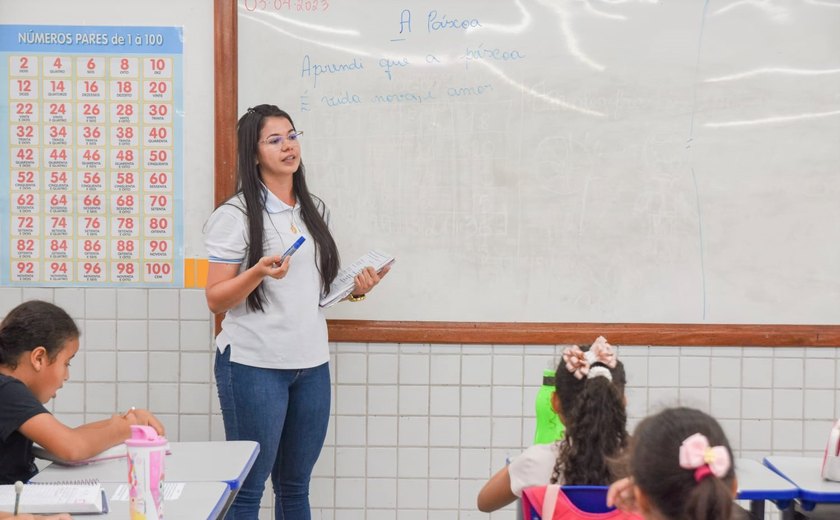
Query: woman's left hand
(367,280)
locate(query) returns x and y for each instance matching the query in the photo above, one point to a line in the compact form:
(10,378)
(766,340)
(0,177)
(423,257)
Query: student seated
(589,398)
(37,342)
(680,469)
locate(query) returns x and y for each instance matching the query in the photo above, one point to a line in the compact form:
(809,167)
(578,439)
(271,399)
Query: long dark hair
(34,324)
(596,426)
(249,184)
(655,466)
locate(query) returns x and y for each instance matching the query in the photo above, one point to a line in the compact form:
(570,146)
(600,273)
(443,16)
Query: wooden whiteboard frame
(370,331)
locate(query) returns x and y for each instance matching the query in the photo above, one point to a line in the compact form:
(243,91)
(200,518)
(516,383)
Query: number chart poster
(91,156)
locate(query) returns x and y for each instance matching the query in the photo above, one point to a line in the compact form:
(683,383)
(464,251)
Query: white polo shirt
(292,332)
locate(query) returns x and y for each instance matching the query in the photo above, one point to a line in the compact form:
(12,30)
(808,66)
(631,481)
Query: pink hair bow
(696,454)
(601,352)
(575,361)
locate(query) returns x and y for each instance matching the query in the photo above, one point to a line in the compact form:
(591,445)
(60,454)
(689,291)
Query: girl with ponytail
(681,468)
(589,398)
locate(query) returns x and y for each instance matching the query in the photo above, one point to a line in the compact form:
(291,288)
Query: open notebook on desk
(344,282)
(56,497)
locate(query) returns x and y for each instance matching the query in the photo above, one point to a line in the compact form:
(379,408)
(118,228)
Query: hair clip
(705,460)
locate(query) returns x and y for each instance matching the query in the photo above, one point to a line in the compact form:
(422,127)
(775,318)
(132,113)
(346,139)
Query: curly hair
(596,426)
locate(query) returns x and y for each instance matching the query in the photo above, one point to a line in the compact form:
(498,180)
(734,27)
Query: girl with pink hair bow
(589,399)
(681,468)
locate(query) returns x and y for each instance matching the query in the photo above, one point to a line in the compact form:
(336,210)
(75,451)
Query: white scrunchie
(599,371)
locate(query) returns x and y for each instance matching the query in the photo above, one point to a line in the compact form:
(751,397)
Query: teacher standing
(272,358)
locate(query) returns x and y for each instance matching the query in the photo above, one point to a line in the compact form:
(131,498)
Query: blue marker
(289,252)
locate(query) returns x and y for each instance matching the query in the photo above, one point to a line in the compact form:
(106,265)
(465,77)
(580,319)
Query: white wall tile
(475,432)
(413,462)
(195,366)
(475,400)
(413,493)
(664,397)
(163,398)
(732,430)
(131,335)
(164,335)
(636,369)
(195,335)
(382,492)
(71,398)
(100,304)
(444,431)
(819,404)
(193,428)
(726,403)
(99,334)
(132,304)
(756,403)
(757,373)
(695,398)
(382,400)
(163,304)
(725,372)
(414,400)
(38,293)
(350,399)
(71,299)
(756,434)
(694,371)
(414,431)
(350,430)
(11,297)
(414,369)
(382,369)
(507,370)
(321,493)
(444,462)
(164,366)
(193,305)
(350,462)
(787,404)
(132,394)
(787,435)
(475,463)
(195,399)
(507,401)
(100,398)
(351,368)
(663,371)
(132,366)
(476,370)
(506,431)
(101,366)
(443,493)
(444,400)
(325,465)
(816,433)
(788,373)
(382,431)
(445,370)
(819,373)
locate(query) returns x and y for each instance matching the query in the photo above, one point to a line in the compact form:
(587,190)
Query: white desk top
(214,461)
(804,472)
(758,482)
(199,501)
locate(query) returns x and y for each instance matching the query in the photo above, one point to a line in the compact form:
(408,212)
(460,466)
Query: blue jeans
(287,412)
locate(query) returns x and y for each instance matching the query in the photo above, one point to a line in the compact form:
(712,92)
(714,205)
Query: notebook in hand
(344,282)
(56,497)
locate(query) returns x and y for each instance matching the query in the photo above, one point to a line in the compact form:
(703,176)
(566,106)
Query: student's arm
(26,516)
(496,493)
(227,288)
(87,440)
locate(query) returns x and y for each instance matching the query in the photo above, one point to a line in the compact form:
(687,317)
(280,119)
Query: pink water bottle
(146,454)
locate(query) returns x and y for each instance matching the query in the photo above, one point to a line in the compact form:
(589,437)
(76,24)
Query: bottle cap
(144,436)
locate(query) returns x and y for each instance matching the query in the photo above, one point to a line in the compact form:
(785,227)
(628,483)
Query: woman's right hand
(270,266)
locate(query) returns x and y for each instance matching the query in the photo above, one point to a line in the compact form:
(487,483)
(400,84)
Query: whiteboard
(196,18)
(536,161)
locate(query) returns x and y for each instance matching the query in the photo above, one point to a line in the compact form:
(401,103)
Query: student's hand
(269,266)
(622,495)
(144,418)
(367,280)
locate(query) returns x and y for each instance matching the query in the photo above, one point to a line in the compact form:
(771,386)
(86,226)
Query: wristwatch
(354,298)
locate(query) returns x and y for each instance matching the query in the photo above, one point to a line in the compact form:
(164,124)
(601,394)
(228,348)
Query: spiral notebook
(79,497)
(344,282)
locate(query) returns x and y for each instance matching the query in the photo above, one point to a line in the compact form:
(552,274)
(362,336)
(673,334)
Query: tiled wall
(417,429)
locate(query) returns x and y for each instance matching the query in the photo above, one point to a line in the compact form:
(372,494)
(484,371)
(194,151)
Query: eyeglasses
(278,139)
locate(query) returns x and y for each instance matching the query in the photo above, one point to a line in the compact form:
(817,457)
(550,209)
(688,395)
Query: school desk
(212,461)
(198,501)
(758,483)
(804,473)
